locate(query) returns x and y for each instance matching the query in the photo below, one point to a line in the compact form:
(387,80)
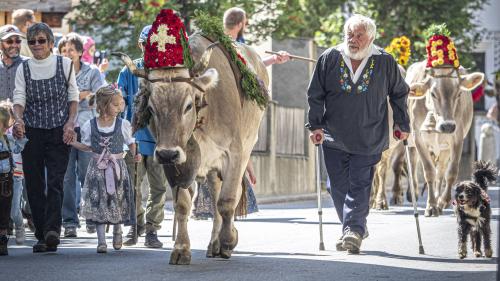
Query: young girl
(110,194)
(8,146)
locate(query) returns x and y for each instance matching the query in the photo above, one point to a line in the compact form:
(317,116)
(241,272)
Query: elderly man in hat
(148,221)
(10,38)
(347,99)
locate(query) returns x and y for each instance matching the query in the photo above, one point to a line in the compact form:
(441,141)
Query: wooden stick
(293,57)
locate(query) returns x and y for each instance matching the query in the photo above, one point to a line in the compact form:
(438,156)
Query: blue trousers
(351,177)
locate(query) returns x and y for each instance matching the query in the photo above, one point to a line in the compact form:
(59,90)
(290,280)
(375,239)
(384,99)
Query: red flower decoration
(163,51)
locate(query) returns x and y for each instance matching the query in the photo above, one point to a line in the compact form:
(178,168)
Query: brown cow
(202,126)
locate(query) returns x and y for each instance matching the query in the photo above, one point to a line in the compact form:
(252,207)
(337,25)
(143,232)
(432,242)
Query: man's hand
(398,134)
(69,135)
(137,158)
(84,95)
(317,136)
(19,130)
(282,57)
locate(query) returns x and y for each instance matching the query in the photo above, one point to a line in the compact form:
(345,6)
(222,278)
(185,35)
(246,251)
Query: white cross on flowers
(161,37)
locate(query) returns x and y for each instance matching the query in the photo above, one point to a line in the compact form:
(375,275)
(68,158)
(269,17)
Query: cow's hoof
(226,247)
(382,205)
(213,249)
(397,200)
(225,252)
(180,257)
(488,253)
(431,211)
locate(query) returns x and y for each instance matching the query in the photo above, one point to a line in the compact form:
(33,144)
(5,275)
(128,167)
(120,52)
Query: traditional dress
(110,195)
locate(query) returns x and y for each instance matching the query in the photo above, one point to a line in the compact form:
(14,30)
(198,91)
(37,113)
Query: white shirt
(355,75)
(86,131)
(44,69)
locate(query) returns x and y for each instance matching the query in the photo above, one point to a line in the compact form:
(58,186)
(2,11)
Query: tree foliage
(118,22)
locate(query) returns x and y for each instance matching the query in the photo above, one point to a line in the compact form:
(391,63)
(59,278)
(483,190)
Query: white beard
(361,54)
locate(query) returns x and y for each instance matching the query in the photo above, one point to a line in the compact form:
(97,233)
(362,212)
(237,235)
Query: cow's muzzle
(170,156)
(446,127)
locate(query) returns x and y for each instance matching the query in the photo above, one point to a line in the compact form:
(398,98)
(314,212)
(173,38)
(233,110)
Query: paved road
(278,243)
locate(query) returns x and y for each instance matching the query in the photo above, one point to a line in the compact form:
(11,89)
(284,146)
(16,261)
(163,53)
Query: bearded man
(347,99)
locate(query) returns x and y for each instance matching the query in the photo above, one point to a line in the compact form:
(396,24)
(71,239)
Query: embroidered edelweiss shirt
(352,107)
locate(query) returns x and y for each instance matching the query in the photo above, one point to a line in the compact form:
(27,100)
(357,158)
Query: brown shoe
(352,241)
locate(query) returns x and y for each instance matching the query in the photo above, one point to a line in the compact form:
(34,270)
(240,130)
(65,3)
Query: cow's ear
(471,81)
(418,89)
(208,79)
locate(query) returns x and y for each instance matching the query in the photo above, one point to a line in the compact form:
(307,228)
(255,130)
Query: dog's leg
(463,231)
(475,236)
(486,232)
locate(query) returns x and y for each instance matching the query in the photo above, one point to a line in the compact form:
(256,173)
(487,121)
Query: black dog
(473,210)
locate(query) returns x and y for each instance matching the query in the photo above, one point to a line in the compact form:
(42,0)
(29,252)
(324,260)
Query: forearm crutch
(318,190)
(413,197)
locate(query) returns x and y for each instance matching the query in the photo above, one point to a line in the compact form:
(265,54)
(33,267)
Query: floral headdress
(400,49)
(167,43)
(441,50)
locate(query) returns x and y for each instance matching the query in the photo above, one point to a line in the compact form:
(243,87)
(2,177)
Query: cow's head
(442,87)
(168,103)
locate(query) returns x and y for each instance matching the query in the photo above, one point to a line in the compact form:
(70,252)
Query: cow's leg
(430,178)
(442,161)
(215,184)
(181,254)
(397,167)
(380,175)
(226,205)
(451,174)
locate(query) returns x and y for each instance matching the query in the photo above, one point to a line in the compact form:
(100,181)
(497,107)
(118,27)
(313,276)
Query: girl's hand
(138,158)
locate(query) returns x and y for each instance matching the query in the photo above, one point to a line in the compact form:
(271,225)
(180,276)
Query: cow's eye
(188,107)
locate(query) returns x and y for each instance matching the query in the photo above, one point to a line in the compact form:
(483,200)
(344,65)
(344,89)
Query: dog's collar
(485,197)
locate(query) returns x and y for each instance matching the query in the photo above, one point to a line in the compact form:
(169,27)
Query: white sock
(101,233)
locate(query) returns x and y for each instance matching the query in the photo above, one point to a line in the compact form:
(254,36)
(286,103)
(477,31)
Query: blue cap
(144,33)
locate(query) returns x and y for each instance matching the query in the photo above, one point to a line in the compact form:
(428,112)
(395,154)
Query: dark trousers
(45,150)
(351,177)
(6,192)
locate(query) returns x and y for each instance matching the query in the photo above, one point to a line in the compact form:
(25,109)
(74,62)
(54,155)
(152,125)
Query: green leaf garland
(212,27)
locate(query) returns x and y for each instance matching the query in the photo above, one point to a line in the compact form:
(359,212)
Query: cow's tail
(242,208)
(484,172)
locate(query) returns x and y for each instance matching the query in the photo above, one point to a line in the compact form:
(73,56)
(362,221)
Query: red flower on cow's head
(163,46)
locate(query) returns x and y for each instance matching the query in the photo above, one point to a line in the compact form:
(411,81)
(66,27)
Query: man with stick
(347,98)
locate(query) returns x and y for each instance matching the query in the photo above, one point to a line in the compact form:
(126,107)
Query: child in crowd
(110,194)
(8,146)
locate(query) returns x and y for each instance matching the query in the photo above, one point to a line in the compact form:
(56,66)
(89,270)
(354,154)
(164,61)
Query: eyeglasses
(10,41)
(39,41)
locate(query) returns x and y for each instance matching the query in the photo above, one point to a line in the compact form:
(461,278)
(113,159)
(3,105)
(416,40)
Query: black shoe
(4,240)
(40,247)
(70,232)
(152,240)
(52,239)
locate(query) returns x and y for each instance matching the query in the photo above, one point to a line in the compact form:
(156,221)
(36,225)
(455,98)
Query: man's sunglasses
(39,41)
(10,41)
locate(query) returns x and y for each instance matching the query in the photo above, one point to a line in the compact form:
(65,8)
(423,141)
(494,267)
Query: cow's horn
(130,64)
(202,65)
